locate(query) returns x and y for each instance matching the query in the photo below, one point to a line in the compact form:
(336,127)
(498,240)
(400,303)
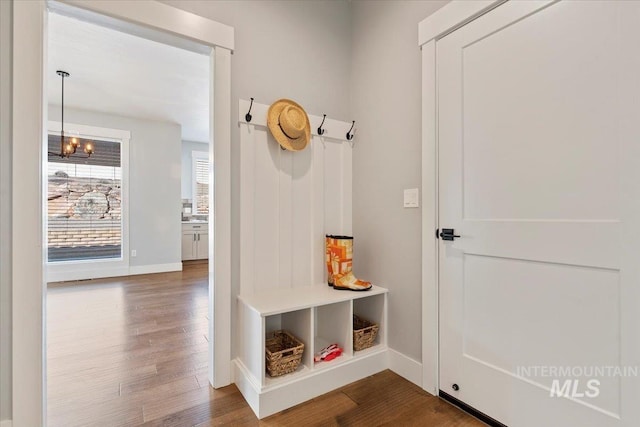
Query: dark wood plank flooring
(132,351)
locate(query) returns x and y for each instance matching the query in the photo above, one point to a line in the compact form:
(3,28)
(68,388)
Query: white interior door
(539,159)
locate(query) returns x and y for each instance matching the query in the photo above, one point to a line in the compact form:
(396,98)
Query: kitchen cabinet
(195,241)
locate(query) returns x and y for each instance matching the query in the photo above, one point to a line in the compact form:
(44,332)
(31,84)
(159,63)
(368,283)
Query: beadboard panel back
(289,201)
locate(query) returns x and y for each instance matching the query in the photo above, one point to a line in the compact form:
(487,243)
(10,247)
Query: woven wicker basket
(364,333)
(283,353)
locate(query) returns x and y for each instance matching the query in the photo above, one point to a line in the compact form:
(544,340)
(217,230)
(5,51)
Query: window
(200,182)
(84,203)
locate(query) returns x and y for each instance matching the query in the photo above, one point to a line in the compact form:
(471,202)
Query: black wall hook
(248,116)
(349,134)
(320,130)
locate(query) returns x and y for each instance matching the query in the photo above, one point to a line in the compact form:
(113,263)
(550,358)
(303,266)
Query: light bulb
(88,148)
(75,142)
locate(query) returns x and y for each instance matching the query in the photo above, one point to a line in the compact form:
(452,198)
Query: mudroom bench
(317,315)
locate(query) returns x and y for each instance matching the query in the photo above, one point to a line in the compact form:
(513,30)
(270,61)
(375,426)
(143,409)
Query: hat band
(285,132)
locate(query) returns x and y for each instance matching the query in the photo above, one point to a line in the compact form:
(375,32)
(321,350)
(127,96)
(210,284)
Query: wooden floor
(133,351)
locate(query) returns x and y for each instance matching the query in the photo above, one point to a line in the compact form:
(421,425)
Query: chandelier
(69,146)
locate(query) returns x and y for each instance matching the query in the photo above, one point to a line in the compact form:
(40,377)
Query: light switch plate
(411,198)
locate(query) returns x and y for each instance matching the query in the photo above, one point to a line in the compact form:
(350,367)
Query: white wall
(386,103)
(284,49)
(351,60)
(5,208)
(187,165)
(154,182)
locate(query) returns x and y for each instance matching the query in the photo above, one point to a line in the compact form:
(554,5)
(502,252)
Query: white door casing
(538,152)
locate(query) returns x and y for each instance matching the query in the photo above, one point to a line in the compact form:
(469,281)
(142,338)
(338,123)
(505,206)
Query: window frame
(94,268)
(195,157)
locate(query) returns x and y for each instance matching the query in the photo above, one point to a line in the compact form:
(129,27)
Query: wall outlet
(134,253)
(411,198)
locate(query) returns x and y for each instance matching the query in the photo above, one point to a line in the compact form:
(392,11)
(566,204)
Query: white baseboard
(5,423)
(155,268)
(406,367)
(84,273)
(69,274)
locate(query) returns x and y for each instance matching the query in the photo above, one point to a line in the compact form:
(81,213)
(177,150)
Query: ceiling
(117,73)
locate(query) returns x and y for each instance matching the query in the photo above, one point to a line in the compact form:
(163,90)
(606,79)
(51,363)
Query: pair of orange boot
(339,257)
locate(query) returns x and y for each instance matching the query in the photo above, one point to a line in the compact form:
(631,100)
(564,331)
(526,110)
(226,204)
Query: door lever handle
(448,234)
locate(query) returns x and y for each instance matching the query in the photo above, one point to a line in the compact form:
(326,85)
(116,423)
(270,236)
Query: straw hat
(289,124)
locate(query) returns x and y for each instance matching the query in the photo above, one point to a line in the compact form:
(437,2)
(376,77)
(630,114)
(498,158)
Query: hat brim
(272,122)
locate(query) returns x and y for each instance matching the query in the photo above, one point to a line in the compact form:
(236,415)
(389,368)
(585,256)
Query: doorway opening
(127,304)
(156,21)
